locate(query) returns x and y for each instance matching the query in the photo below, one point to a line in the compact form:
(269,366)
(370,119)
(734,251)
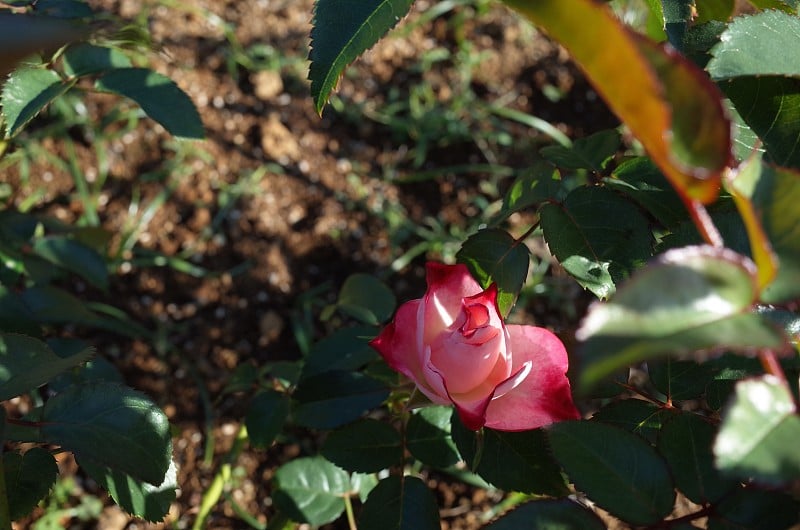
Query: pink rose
(454,345)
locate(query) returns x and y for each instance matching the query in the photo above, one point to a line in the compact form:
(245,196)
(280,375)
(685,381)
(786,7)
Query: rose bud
(454,345)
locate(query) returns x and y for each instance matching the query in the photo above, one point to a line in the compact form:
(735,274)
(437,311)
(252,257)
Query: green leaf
(769,106)
(309,490)
(636,416)
(762,44)
(111,425)
(493,256)
(690,299)
(428,437)
(137,498)
(28,477)
(540,184)
(27,363)
(640,179)
(598,236)
(366,298)
(753,57)
(329,400)
(75,257)
(767,197)
(759,429)
(159,97)
(14,315)
(685,442)
(85,59)
(617,470)
(513,461)
(51,305)
(400,503)
(98,369)
(729,224)
(553,514)
(26,92)
(345,349)
(265,417)
(677,14)
(343,30)
(783,5)
(591,152)
(59,8)
(679,380)
(708,10)
(366,446)
(754,509)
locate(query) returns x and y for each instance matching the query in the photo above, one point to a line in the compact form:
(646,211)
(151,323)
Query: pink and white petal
(448,285)
(472,411)
(398,342)
(542,398)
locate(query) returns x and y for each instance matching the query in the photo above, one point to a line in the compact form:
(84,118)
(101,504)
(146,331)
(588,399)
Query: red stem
(708,231)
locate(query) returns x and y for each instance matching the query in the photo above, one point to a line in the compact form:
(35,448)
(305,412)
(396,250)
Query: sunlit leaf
(761,44)
(714,10)
(400,503)
(770,106)
(310,490)
(668,103)
(493,256)
(533,188)
(598,236)
(757,64)
(26,93)
(759,429)
(618,470)
(688,300)
(767,197)
(148,501)
(343,30)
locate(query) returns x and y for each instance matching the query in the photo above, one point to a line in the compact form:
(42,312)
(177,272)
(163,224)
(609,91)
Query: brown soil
(315,206)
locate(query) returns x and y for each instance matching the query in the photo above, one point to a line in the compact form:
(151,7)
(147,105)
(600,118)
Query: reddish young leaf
(668,103)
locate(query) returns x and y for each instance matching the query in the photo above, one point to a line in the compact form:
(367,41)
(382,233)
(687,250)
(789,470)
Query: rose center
(467,354)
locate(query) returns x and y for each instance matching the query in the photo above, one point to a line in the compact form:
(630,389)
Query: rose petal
(398,344)
(448,285)
(472,406)
(544,396)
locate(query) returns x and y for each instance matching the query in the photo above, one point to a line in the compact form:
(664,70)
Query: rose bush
(454,345)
